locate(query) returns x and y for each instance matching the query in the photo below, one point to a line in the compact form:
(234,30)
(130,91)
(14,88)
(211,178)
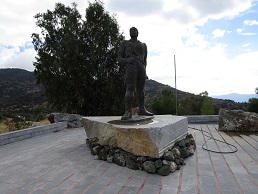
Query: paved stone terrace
(61,163)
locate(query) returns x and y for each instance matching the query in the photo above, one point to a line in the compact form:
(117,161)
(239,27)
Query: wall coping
(10,137)
(202,119)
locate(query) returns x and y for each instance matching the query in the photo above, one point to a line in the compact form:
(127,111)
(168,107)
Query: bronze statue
(133,55)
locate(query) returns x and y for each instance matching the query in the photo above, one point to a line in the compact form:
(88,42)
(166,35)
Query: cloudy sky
(215,42)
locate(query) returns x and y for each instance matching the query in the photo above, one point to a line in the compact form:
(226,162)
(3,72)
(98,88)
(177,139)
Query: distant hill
(153,89)
(237,97)
(19,92)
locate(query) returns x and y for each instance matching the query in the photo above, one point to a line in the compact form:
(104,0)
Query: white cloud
(218,33)
(15,59)
(136,7)
(17,22)
(249,33)
(210,70)
(239,30)
(251,22)
(16,26)
(168,27)
(200,11)
(184,12)
(246,45)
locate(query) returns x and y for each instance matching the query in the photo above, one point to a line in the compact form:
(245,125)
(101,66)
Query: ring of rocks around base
(171,160)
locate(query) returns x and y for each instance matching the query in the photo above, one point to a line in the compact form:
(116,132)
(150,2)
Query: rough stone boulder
(237,120)
(73,120)
(171,160)
(146,139)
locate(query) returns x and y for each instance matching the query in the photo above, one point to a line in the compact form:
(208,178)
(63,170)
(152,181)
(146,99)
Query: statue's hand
(130,59)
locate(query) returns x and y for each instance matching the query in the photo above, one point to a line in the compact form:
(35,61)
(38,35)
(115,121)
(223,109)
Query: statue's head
(133,32)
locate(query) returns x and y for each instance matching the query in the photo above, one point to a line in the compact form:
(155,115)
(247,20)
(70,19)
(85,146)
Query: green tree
(76,60)
(190,105)
(165,104)
(252,105)
(38,113)
(207,106)
(205,93)
(1,117)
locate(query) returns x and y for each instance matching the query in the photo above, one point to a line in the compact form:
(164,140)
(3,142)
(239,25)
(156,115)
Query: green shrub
(252,105)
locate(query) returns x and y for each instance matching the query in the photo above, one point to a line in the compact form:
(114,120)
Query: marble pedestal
(142,139)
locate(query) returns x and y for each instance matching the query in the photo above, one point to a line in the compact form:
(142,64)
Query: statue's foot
(144,112)
(126,116)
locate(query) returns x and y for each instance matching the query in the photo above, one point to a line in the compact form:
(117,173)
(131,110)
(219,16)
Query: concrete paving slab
(61,163)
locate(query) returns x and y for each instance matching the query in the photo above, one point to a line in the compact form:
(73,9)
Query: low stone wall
(202,119)
(14,136)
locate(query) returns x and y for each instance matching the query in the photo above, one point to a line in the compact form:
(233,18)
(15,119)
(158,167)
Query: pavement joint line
(142,185)
(42,162)
(230,170)
(109,183)
(127,181)
(160,185)
(213,169)
(45,174)
(197,166)
(246,141)
(68,149)
(245,150)
(97,178)
(246,169)
(84,175)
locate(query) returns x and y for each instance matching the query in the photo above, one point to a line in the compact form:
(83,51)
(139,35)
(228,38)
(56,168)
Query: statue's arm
(145,57)
(145,54)
(121,53)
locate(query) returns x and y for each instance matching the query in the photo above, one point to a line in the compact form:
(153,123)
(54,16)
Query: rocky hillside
(19,92)
(153,89)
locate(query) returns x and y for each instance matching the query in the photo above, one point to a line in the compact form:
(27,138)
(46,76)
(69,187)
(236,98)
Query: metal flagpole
(175,82)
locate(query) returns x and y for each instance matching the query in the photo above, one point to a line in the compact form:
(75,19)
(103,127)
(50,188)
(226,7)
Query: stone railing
(14,136)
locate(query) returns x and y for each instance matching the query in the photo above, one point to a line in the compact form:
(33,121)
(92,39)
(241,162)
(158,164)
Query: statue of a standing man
(133,55)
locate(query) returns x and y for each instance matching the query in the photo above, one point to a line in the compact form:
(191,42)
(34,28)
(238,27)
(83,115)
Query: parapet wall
(14,136)
(202,119)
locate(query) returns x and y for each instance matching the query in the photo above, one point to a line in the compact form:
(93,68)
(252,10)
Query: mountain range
(20,93)
(236,97)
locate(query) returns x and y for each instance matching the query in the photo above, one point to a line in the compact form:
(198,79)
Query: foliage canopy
(207,107)
(164,104)
(190,105)
(252,105)
(76,60)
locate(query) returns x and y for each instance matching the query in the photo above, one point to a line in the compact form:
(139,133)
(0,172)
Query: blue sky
(215,42)
(239,34)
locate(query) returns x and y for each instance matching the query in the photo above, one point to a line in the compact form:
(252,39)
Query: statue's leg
(129,94)
(140,91)
(128,105)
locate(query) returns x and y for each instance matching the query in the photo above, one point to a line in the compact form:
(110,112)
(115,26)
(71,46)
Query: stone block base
(147,139)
